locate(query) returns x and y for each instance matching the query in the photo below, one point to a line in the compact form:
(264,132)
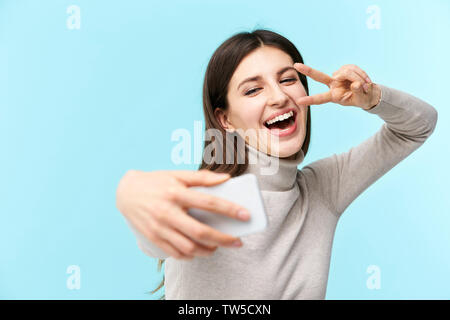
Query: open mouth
(283,124)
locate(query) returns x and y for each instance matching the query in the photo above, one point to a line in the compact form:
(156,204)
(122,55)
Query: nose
(276,96)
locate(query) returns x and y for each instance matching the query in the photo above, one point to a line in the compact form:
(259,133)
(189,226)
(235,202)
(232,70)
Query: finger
(191,198)
(201,177)
(312,73)
(195,199)
(320,98)
(361,72)
(348,75)
(184,245)
(351,75)
(361,85)
(357,87)
(151,235)
(171,250)
(201,232)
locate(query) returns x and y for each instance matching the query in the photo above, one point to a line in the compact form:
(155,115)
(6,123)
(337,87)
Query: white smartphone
(242,190)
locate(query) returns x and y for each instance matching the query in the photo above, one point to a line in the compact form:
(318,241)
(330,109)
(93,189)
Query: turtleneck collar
(273,173)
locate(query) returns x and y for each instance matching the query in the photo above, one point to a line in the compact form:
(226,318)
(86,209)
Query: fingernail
(366,87)
(368,80)
(237,243)
(243,215)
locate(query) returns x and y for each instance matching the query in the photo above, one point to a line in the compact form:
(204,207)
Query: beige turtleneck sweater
(291,258)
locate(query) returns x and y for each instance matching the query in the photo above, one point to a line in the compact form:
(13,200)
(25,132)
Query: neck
(273,173)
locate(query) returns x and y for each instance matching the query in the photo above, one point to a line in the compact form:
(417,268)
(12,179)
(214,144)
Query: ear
(222,118)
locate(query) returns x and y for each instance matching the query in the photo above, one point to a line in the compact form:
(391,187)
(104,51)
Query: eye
(282,81)
(251,91)
(290,79)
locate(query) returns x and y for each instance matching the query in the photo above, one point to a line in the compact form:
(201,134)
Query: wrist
(376,97)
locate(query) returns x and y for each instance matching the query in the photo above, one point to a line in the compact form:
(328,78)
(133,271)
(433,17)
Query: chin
(287,154)
(286,149)
(281,148)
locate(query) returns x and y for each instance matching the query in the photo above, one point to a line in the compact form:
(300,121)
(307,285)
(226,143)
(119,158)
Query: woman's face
(265,85)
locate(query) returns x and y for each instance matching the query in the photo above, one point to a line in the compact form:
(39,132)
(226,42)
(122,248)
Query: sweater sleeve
(146,246)
(340,178)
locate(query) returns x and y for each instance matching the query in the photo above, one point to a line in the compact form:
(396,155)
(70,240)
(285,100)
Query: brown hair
(218,74)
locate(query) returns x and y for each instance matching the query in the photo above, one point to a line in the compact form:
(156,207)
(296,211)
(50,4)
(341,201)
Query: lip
(285,132)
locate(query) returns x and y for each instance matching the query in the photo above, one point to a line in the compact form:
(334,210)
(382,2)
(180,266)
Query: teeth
(281,117)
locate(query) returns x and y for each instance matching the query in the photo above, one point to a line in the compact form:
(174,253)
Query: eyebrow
(258,77)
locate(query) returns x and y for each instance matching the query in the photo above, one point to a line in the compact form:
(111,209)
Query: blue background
(78,108)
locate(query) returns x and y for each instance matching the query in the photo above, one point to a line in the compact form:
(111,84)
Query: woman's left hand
(349,86)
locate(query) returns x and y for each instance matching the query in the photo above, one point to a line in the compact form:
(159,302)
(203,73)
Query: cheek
(296,91)
(250,112)
(252,117)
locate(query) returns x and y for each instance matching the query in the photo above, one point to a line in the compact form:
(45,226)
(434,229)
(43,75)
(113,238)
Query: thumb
(201,177)
(357,87)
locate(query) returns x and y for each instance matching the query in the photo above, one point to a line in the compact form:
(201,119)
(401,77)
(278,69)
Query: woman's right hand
(156,204)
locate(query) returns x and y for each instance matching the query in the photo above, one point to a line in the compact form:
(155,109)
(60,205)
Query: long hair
(221,67)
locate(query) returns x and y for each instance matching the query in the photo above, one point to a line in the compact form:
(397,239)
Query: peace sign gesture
(349,86)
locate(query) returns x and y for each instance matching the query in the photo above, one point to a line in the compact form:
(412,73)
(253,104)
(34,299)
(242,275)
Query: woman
(250,79)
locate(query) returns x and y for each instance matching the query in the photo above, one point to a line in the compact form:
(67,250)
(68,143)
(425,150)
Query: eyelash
(253,90)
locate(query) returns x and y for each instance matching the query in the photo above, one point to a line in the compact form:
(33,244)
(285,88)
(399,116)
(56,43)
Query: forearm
(405,114)
(409,121)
